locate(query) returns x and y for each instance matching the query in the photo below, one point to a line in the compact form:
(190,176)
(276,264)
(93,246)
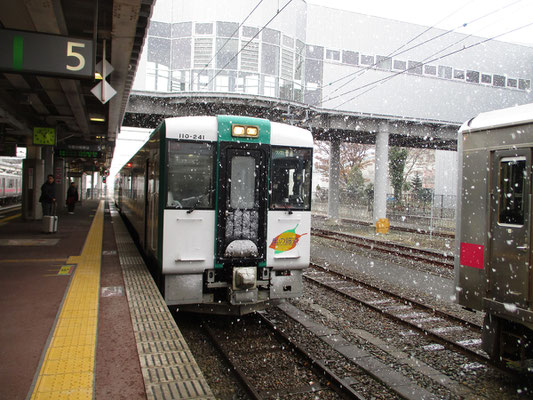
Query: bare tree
(353,155)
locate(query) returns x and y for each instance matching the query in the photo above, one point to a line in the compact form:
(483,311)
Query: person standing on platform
(48,195)
(72,197)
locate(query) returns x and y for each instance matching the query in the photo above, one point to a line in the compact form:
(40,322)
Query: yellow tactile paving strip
(67,370)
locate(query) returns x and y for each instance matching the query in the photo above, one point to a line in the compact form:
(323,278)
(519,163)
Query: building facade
(330,58)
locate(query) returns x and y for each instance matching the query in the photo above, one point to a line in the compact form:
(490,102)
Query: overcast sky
(450,14)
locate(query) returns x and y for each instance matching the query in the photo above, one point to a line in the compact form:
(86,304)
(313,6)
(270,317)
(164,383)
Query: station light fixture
(97,118)
(244,131)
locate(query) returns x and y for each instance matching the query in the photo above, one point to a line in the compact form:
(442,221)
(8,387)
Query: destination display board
(71,153)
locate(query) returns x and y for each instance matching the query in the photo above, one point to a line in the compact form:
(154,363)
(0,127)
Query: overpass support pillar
(381,176)
(334,174)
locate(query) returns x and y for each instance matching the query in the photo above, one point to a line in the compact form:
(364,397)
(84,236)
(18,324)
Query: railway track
(446,329)
(9,212)
(270,365)
(407,252)
(420,231)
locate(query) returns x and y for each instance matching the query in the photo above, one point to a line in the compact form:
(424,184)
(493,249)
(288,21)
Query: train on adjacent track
(221,208)
(493,267)
(10,188)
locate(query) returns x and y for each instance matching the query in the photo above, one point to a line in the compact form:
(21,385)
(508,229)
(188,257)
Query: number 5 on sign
(71,53)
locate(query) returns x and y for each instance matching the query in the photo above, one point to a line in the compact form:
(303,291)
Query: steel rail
(408,252)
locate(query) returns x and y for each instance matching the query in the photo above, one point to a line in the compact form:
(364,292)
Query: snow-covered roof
(517,115)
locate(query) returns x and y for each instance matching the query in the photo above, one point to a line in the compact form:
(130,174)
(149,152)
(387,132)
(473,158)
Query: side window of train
(511,187)
(291,178)
(190,180)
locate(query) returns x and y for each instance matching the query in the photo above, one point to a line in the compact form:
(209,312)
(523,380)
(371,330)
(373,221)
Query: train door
(152,199)
(510,269)
(242,203)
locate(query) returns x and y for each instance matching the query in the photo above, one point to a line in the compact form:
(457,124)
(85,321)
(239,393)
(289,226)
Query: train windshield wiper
(196,203)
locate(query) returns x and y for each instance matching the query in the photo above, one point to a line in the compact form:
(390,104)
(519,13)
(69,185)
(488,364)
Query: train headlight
(244,131)
(238,130)
(252,131)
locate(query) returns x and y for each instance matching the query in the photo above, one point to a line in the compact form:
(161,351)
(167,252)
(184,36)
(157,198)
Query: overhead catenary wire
(396,52)
(424,63)
(247,43)
(228,39)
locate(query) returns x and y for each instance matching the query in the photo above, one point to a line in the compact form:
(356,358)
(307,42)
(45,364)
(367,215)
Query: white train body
(232,228)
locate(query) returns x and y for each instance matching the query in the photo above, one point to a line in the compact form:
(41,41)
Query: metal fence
(430,212)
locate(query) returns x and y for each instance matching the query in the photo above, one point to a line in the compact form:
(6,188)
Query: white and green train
(221,207)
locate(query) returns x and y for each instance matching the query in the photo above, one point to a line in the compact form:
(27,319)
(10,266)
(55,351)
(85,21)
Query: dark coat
(72,195)
(48,192)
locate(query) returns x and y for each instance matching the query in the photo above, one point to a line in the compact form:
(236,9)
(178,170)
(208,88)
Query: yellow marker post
(67,371)
(382,225)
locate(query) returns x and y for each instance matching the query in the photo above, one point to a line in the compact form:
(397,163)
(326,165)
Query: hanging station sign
(46,54)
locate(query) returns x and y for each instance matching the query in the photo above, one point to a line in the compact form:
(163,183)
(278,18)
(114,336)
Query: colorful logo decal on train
(286,241)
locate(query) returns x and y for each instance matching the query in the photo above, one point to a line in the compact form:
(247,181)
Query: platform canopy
(50,52)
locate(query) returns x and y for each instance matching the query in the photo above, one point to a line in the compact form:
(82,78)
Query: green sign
(64,153)
(46,54)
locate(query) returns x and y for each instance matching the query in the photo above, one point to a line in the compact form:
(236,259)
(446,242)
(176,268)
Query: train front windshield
(291,178)
(190,175)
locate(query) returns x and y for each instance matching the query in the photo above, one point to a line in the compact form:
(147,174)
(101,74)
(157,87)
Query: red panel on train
(472,255)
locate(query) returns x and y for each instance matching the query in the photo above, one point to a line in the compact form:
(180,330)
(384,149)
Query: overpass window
(367,60)
(350,57)
(511,186)
(269,86)
(430,70)
(190,175)
(445,72)
(271,36)
(314,52)
(291,178)
(180,81)
(157,76)
(161,29)
(383,62)
(472,76)
(288,42)
(251,84)
(222,83)
(181,53)
(181,29)
(203,29)
(414,67)
(459,74)
(524,84)
(333,55)
(399,65)
(498,80)
(227,29)
(201,81)
(512,83)
(486,78)
(270,59)
(226,53)
(249,31)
